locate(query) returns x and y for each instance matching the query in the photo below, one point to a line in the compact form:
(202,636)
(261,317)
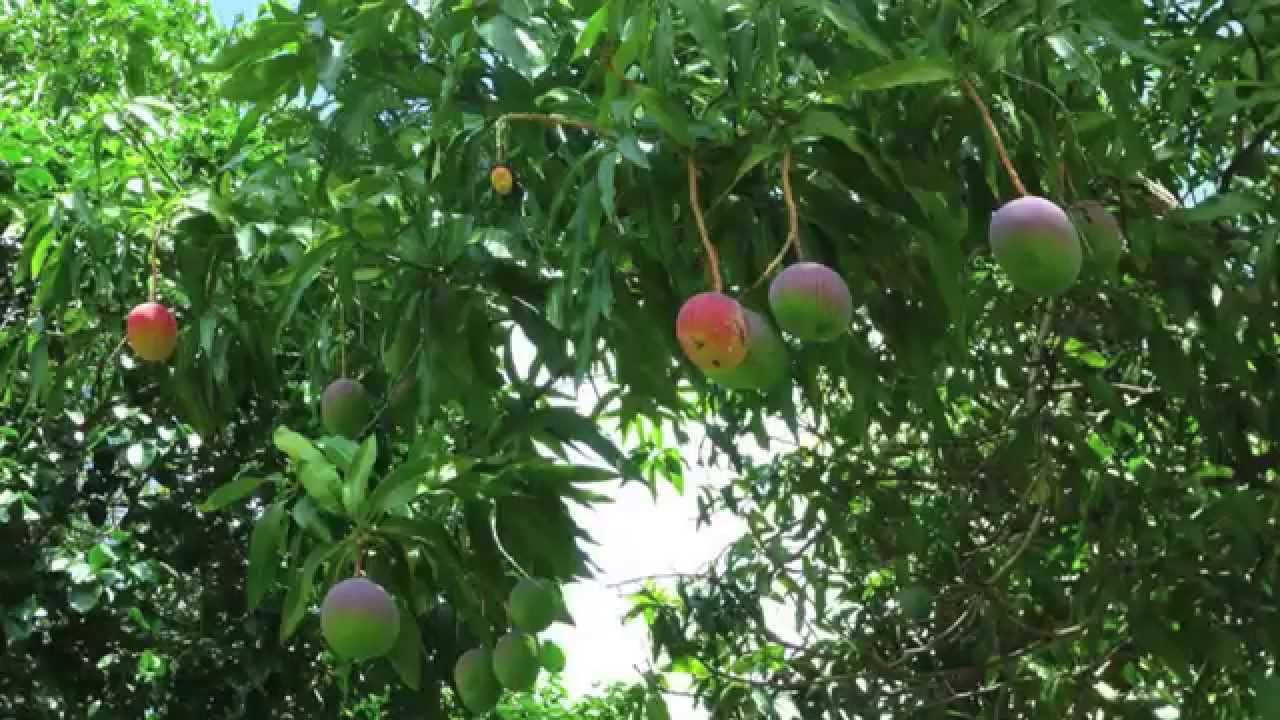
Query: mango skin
(766,363)
(345,408)
(478,687)
(152,332)
(811,301)
(533,605)
(515,661)
(712,331)
(502,179)
(1102,234)
(1036,244)
(359,619)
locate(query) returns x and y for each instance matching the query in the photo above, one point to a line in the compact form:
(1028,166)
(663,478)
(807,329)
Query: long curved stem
(713,259)
(793,215)
(793,223)
(995,136)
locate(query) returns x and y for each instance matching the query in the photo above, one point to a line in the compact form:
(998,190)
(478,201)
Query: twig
(1022,546)
(386,403)
(955,627)
(793,224)
(995,136)
(556,120)
(1264,134)
(146,148)
(713,260)
(1242,157)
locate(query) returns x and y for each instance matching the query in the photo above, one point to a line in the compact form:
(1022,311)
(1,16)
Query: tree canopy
(979,501)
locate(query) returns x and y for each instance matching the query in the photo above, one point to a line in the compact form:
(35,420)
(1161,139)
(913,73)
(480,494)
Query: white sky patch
(636,537)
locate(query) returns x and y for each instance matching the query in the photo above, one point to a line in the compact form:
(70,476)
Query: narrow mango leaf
(845,15)
(356,487)
(591,32)
(298,596)
(912,71)
(398,487)
(237,489)
(264,553)
(406,654)
(673,120)
(755,156)
(321,481)
(1220,206)
(707,25)
(297,447)
(304,273)
(270,35)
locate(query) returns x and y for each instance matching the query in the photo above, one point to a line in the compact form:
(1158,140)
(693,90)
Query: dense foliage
(990,505)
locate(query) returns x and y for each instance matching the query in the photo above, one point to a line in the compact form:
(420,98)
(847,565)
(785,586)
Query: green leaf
(268,36)
(406,654)
(321,481)
(303,274)
(846,16)
(551,656)
(501,34)
(630,148)
(230,492)
(655,708)
(1220,206)
(591,31)
(824,123)
(298,448)
(1113,36)
(706,22)
(605,179)
(298,595)
(756,155)
(398,487)
(264,553)
(671,118)
(307,516)
(1067,47)
(912,71)
(84,598)
(356,487)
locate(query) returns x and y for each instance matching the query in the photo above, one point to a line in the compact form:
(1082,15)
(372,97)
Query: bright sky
(635,537)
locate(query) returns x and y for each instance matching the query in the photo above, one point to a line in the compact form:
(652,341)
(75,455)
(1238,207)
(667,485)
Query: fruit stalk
(793,223)
(713,259)
(155,264)
(995,136)
(342,336)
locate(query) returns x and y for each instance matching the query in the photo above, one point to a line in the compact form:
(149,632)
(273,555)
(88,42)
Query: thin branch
(146,148)
(556,120)
(995,136)
(713,259)
(1022,546)
(1237,162)
(955,627)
